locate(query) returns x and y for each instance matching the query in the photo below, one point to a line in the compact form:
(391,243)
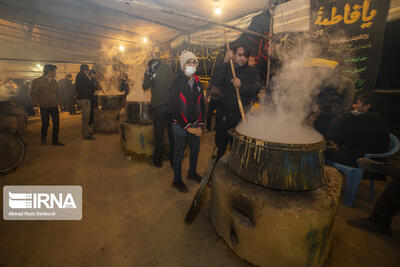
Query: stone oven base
(137,138)
(106,121)
(274,228)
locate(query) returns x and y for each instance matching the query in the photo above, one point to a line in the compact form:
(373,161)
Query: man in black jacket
(159,77)
(84,91)
(248,81)
(359,132)
(188,112)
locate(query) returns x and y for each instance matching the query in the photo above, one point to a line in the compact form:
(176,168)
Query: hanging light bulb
(218,10)
(121,48)
(38,65)
(145,40)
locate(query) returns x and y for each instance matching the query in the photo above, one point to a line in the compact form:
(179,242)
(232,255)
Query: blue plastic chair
(354,175)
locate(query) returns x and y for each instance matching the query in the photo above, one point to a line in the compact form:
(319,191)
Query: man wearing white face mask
(360,131)
(188,110)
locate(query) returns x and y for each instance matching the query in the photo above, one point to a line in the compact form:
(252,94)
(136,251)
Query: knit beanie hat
(185,56)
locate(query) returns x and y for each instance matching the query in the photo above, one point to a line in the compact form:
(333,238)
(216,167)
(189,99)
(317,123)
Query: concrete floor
(132,216)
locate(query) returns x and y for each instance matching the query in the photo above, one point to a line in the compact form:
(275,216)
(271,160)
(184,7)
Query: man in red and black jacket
(188,113)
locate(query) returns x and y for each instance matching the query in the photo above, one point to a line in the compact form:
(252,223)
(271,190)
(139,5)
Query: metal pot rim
(279,146)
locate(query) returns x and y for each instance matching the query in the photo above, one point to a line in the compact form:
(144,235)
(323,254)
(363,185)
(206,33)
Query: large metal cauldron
(291,167)
(110,102)
(139,112)
(12,151)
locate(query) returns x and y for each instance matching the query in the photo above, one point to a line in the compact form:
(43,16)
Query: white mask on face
(190,70)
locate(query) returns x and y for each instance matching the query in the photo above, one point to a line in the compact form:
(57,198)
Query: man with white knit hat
(188,110)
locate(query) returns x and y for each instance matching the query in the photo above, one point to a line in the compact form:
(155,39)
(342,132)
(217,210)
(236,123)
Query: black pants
(222,138)
(210,111)
(93,106)
(45,114)
(388,204)
(182,137)
(162,119)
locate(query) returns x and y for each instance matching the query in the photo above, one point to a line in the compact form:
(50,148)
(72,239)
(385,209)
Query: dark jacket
(336,95)
(187,104)
(124,87)
(364,133)
(84,87)
(66,88)
(45,93)
(160,84)
(250,86)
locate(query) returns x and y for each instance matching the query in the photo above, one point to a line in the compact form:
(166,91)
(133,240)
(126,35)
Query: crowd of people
(67,95)
(351,127)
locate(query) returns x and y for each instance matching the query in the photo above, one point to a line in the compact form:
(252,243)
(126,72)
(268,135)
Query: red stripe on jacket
(183,98)
(184,118)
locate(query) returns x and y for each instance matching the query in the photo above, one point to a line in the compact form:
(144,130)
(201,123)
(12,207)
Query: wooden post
(234,76)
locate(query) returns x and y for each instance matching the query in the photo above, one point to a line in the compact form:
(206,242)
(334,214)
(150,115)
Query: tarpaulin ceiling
(70,32)
(76,31)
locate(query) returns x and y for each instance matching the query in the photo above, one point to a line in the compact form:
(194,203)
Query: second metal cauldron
(110,102)
(139,112)
(291,167)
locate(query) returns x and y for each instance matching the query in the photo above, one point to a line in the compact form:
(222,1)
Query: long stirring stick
(234,76)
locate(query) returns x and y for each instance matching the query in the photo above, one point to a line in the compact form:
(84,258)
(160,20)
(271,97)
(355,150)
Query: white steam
(282,119)
(130,61)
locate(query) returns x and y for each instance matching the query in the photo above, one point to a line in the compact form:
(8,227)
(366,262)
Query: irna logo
(41,200)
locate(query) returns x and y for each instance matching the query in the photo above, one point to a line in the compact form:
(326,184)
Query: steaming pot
(139,112)
(290,167)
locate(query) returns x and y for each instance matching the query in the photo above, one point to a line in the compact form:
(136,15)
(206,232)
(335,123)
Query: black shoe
(195,177)
(180,186)
(369,225)
(89,137)
(156,164)
(58,144)
(44,142)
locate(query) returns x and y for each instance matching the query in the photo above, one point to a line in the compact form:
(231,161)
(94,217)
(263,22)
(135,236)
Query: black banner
(351,32)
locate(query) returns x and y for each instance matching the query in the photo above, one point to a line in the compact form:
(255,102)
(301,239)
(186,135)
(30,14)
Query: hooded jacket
(187,103)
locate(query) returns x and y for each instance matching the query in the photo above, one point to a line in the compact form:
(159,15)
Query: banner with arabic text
(352,33)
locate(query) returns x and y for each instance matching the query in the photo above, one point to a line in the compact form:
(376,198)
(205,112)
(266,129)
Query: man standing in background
(84,91)
(248,81)
(124,86)
(45,94)
(159,77)
(66,92)
(93,100)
